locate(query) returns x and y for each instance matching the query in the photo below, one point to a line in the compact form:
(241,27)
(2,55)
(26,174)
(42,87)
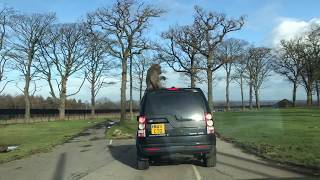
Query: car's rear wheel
(210,160)
(142,162)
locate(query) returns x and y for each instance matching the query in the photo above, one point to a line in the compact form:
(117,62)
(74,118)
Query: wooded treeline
(38,102)
(111,39)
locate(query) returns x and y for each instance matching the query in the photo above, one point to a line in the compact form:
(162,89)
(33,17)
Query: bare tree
(229,51)
(258,69)
(181,53)
(63,55)
(239,75)
(5,14)
(248,73)
(213,27)
(140,68)
(137,50)
(99,65)
(309,51)
(28,31)
(3,66)
(124,25)
(289,64)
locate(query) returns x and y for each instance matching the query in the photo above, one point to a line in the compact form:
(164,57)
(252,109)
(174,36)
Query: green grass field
(39,137)
(285,135)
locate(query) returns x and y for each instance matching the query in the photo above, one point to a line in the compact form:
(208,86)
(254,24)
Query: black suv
(172,121)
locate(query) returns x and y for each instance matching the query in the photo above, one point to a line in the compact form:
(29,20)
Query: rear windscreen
(182,105)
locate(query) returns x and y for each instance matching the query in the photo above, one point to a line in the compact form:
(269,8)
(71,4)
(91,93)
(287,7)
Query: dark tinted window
(183,105)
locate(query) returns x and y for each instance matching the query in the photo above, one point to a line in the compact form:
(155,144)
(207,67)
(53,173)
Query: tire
(141,163)
(210,160)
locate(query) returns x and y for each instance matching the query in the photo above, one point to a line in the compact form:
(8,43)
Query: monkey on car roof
(154,77)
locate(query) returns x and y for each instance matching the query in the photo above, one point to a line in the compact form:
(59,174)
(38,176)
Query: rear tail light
(173,89)
(201,147)
(208,116)
(152,149)
(142,127)
(209,123)
(142,119)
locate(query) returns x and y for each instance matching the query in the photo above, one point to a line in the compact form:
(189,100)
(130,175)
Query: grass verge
(124,130)
(290,136)
(39,137)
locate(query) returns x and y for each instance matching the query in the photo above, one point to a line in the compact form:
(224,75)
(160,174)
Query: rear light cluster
(173,89)
(209,123)
(142,126)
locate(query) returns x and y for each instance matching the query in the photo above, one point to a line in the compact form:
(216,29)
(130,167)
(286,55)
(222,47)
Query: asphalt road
(91,157)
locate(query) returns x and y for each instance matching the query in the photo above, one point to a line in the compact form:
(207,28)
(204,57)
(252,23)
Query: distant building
(285,103)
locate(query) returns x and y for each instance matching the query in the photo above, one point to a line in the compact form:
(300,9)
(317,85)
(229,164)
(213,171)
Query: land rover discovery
(175,121)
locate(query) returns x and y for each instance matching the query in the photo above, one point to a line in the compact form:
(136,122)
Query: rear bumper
(165,150)
(153,146)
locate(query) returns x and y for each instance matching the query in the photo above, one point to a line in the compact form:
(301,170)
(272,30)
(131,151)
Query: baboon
(153,77)
(3,148)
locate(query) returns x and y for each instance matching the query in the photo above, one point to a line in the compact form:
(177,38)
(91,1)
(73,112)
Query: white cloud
(289,28)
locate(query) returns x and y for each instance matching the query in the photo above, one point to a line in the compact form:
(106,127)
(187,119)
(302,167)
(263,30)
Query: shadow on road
(127,155)
(60,167)
(176,160)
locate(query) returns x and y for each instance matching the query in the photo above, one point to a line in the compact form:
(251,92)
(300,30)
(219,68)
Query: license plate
(158,129)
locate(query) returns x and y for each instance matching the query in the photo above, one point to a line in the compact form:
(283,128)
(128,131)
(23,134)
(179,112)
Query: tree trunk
(294,93)
(257,98)
(318,93)
(93,100)
(209,77)
(93,107)
(250,94)
(140,89)
(123,90)
(309,96)
(192,75)
(141,81)
(131,98)
(193,80)
(241,91)
(227,93)
(63,97)
(27,99)
(26,88)
(210,99)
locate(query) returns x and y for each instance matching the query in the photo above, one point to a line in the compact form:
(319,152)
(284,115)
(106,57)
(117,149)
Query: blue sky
(268,21)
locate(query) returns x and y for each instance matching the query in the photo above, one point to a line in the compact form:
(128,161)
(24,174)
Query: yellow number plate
(158,129)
